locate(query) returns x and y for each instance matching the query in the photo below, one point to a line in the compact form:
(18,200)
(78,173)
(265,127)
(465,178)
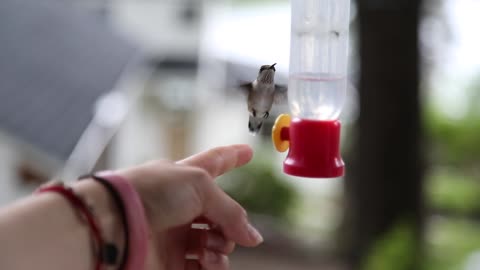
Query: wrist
(136,221)
(106,213)
(136,178)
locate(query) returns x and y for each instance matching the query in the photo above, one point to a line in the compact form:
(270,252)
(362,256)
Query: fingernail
(254,234)
(191,256)
(211,257)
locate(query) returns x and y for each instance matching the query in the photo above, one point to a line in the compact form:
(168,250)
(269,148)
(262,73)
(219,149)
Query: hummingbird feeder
(316,89)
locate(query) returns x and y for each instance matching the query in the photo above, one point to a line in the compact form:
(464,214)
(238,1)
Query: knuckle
(217,241)
(196,198)
(237,215)
(218,155)
(200,182)
(157,162)
(200,175)
(238,209)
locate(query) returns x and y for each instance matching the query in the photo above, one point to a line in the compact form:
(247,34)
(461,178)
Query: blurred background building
(87,85)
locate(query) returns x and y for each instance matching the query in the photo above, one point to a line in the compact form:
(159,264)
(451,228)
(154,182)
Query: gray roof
(55,61)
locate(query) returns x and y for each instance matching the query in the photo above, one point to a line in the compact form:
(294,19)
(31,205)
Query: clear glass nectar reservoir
(318,58)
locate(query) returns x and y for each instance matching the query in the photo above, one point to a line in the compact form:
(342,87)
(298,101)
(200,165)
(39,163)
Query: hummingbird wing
(245,88)
(280,94)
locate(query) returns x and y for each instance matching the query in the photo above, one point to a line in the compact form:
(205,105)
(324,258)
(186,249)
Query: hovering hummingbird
(262,93)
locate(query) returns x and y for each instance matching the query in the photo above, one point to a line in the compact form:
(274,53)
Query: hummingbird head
(266,73)
(254,124)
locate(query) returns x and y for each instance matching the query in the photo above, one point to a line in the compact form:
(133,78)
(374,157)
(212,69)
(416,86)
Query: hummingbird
(261,94)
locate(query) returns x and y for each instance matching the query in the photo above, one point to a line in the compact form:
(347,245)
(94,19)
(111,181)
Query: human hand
(175,193)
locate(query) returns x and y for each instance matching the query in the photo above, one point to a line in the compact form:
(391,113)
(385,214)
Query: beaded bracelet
(121,207)
(79,204)
(136,219)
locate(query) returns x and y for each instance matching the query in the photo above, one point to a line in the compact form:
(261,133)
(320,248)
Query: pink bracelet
(136,220)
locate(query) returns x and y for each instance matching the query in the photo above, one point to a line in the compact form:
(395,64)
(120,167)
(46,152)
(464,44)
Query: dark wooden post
(384,177)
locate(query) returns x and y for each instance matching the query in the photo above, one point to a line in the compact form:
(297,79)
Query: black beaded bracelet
(109,255)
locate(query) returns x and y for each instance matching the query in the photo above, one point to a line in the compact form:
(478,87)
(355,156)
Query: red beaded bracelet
(79,204)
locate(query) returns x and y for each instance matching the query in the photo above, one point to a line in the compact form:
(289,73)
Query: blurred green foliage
(257,188)
(395,250)
(453,185)
(454,142)
(453,192)
(449,242)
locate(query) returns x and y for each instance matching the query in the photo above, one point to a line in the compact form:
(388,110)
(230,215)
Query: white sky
(241,34)
(251,35)
(465,19)
(460,63)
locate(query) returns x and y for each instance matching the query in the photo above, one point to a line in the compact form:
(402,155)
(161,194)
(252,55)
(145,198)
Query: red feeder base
(314,149)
